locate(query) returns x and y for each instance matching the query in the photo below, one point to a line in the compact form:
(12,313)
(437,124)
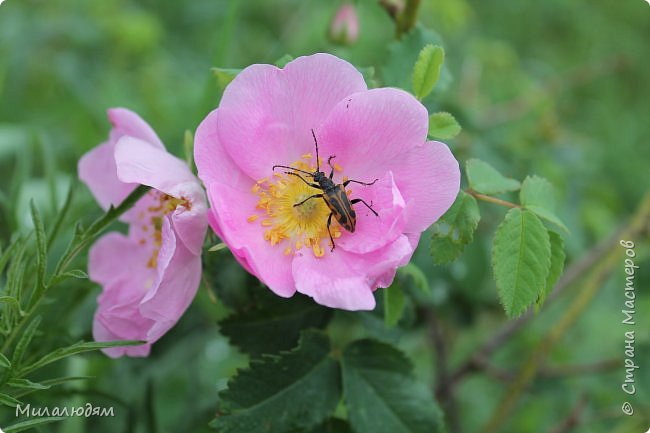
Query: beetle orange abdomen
(337,201)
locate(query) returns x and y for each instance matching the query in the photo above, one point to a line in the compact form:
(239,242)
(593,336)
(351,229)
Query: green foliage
(332,425)
(274,324)
(404,53)
(537,196)
(557,265)
(282,61)
(277,394)
(486,179)
(426,71)
(32,423)
(443,125)
(24,289)
(224,76)
(521,260)
(381,394)
(393,305)
(455,229)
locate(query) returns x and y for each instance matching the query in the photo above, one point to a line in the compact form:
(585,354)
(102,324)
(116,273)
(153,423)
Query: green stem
(97,227)
(577,307)
(491,199)
(76,246)
(407,19)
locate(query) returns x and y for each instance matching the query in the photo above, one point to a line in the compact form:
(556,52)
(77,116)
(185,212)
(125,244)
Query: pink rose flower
(150,276)
(265,118)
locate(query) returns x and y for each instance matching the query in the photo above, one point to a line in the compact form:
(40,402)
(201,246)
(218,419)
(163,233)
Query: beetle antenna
(293,168)
(317,158)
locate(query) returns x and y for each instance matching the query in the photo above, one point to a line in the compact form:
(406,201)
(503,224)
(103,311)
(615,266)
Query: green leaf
(419,278)
(76,273)
(30,424)
(26,384)
(521,259)
(282,61)
(224,76)
(8,400)
(393,305)
(275,325)
(188,147)
(426,71)
(455,229)
(41,247)
(4,362)
(25,340)
(332,425)
(50,383)
(218,247)
(537,195)
(295,391)
(443,125)
(486,179)
(369,76)
(557,265)
(74,349)
(402,54)
(10,300)
(62,213)
(9,253)
(381,394)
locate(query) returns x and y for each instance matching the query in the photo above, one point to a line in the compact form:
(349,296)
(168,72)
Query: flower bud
(344,28)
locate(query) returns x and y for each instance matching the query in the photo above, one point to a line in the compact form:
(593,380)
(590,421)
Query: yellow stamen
(285,224)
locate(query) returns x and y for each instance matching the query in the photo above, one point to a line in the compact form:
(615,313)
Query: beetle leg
(311,196)
(330,164)
(369,206)
(359,182)
(329,222)
(313,185)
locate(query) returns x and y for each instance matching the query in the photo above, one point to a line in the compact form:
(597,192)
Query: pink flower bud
(344,28)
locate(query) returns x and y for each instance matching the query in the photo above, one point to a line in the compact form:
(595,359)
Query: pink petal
(212,161)
(331,282)
(127,123)
(118,318)
(266,114)
(370,130)
(98,171)
(373,232)
(114,256)
(179,274)
(101,333)
(428,177)
(139,162)
(237,254)
(346,280)
(142,163)
(246,241)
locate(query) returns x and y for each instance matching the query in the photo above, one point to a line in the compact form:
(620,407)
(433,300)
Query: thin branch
(573,419)
(491,199)
(444,392)
(588,290)
(572,274)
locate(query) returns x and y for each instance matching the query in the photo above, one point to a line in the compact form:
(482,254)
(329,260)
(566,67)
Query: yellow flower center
(152,219)
(291,227)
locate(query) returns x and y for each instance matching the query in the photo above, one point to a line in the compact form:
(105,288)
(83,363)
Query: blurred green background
(554,88)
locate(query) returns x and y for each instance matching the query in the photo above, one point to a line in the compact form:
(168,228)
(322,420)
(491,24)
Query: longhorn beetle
(334,195)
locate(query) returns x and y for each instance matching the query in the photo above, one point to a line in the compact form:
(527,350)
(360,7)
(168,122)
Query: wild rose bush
(307,241)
